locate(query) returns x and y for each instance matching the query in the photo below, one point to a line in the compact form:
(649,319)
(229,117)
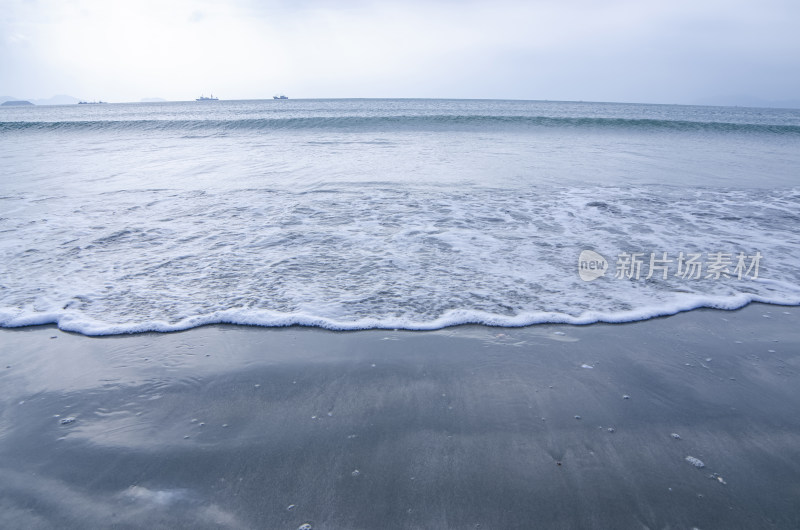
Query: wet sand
(468,427)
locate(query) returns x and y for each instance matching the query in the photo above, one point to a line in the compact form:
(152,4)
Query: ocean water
(412,214)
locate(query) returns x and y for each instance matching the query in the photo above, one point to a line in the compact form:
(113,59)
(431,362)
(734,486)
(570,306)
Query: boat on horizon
(91,102)
(280,97)
(210,98)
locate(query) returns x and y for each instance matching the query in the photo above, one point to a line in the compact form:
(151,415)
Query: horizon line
(789,105)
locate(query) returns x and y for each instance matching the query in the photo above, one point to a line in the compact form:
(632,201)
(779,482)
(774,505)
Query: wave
(10,318)
(412,122)
(371,257)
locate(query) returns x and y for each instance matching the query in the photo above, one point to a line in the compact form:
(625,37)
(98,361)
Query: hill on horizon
(59,99)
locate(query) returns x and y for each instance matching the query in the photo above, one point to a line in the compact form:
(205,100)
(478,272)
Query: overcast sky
(667,51)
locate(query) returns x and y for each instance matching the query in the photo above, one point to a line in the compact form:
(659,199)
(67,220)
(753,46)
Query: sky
(670,51)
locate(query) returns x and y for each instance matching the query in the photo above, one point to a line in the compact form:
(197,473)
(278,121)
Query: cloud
(619,50)
(196,16)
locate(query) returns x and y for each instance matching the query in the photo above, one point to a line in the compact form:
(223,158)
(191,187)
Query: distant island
(16,103)
(55,100)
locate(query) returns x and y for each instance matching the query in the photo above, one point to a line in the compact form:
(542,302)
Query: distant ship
(279,97)
(91,102)
(210,98)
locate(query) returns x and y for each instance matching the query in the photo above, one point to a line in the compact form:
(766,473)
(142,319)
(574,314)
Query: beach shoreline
(553,426)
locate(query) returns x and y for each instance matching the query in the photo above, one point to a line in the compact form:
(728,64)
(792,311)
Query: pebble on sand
(696,462)
(715,476)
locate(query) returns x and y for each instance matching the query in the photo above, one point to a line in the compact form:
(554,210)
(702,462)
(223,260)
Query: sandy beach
(399,265)
(468,427)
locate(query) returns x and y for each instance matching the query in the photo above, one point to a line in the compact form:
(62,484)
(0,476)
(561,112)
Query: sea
(410,214)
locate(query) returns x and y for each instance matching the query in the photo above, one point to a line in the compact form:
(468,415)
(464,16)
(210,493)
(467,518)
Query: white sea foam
(357,258)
